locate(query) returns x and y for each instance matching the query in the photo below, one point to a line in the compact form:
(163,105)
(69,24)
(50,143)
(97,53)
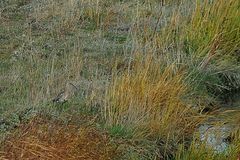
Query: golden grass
(149,99)
(145,96)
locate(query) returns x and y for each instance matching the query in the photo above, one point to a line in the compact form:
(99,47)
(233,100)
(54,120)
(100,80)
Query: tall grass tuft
(213,31)
(149,100)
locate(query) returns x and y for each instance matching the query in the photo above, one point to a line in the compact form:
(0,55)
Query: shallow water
(215,136)
(217,131)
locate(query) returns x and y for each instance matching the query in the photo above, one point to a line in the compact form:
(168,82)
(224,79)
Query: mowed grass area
(147,74)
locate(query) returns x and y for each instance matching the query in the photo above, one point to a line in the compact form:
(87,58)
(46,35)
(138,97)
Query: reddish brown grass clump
(44,139)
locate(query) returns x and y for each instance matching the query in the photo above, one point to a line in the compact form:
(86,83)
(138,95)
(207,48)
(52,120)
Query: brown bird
(67,93)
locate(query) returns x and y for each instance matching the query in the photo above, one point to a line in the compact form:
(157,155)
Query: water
(215,137)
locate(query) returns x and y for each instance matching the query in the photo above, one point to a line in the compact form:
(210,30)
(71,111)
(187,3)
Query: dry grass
(43,139)
(50,43)
(149,99)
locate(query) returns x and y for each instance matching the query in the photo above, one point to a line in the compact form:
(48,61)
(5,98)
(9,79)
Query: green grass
(144,70)
(202,152)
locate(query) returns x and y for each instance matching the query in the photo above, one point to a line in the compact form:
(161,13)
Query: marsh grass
(203,151)
(149,99)
(143,68)
(213,30)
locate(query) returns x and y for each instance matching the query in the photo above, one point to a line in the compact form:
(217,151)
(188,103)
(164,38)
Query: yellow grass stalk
(149,99)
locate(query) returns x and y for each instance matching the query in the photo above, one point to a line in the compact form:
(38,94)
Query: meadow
(140,78)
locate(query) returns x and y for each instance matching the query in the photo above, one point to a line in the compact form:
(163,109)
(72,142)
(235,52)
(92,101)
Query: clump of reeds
(213,32)
(149,100)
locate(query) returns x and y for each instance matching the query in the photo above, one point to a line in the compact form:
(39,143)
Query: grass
(202,151)
(213,29)
(52,140)
(128,104)
(145,72)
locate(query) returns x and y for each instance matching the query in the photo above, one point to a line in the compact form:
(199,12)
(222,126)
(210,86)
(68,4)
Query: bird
(61,97)
(64,95)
